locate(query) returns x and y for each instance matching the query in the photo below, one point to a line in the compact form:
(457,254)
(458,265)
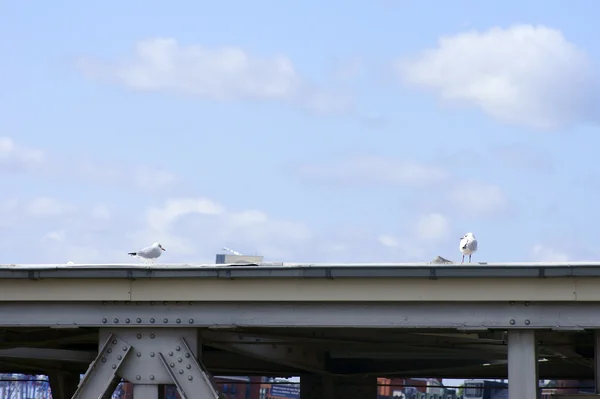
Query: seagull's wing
(145,250)
(473,245)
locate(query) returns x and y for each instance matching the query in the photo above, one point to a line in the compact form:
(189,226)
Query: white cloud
(58,235)
(22,159)
(17,157)
(161,218)
(388,240)
(542,253)
(524,74)
(479,199)
(433,227)
(420,239)
(371,170)
(225,73)
(199,227)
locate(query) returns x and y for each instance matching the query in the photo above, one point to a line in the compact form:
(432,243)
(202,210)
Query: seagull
(468,246)
(149,253)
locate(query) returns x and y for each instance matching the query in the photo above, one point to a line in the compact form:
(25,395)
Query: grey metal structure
(159,324)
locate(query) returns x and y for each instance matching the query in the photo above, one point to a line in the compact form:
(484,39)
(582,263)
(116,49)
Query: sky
(303,131)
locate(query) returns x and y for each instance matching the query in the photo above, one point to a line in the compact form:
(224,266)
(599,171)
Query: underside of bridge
(297,351)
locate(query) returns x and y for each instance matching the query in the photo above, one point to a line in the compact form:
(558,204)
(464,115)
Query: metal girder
(279,351)
(101,379)
(442,315)
(192,379)
(145,367)
(65,355)
(161,356)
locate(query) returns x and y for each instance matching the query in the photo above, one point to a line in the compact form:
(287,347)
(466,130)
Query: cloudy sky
(299,130)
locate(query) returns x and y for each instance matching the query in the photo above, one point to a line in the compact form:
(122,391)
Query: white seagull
(468,246)
(149,253)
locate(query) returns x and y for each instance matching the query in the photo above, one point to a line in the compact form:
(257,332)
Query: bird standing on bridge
(149,253)
(468,246)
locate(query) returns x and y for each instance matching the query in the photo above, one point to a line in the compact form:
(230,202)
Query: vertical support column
(522,364)
(597,361)
(143,391)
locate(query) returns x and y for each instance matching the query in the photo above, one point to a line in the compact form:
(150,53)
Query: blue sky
(299,130)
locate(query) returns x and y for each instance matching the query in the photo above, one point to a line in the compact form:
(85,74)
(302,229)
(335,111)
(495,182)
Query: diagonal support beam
(270,349)
(101,379)
(190,376)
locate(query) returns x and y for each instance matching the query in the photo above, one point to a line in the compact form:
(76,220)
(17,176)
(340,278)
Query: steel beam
(275,350)
(101,379)
(443,315)
(192,379)
(522,365)
(63,355)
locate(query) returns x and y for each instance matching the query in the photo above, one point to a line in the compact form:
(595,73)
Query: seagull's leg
(463,259)
(469,258)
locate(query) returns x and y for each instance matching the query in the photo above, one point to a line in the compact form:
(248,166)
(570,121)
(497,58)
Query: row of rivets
(512,322)
(138,320)
(179,360)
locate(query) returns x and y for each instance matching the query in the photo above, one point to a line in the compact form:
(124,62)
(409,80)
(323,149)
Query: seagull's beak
(162,248)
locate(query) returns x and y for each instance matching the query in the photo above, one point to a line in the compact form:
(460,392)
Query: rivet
(127,321)
(139,354)
(137,302)
(139,336)
(115,320)
(189,366)
(164,302)
(152,303)
(138,320)
(124,349)
(178,321)
(152,336)
(527,322)
(179,359)
(152,320)
(165,320)
(151,354)
(119,357)
(172,364)
(104,302)
(151,377)
(512,321)
(187,355)
(171,353)
(190,377)
(177,348)
(181,371)
(191,321)
(104,320)
(103,360)
(191,303)
(114,366)
(527,303)
(138,377)
(114,341)
(512,303)
(109,350)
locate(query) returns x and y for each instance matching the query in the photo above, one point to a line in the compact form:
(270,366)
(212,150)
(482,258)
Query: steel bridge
(337,326)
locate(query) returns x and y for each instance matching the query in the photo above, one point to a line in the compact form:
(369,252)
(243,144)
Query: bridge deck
(302,282)
(397,319)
